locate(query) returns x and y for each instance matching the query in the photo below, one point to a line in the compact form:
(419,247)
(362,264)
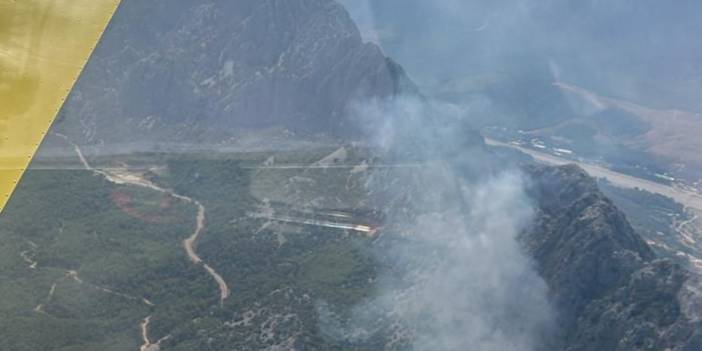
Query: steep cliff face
(610,290)
(206,71)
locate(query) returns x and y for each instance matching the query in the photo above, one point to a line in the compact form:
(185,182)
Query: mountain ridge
(211,71)
(611,290)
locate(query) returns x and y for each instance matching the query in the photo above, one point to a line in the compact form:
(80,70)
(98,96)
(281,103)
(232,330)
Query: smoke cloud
(453,275)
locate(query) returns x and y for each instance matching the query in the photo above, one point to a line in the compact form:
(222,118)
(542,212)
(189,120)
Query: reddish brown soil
(124,202)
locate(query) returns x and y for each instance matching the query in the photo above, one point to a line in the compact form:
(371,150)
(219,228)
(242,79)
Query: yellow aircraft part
(44,45)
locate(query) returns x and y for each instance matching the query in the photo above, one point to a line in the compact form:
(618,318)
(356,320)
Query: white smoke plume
(453,274)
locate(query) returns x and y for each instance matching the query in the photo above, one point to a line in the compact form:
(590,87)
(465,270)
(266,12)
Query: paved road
(687,198)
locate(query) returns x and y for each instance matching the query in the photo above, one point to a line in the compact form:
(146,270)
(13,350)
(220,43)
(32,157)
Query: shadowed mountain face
(611,292)
(206,71)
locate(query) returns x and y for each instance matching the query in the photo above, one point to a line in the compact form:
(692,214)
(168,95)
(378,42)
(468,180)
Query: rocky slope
(611,291)
(207,71)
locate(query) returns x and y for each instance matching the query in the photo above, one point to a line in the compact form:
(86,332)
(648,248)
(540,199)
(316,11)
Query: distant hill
(640,50)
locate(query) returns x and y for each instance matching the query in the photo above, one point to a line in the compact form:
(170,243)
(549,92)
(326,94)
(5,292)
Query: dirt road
(123,176)
(148,345)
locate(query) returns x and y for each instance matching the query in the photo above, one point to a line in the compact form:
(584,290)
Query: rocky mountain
(210,72)
(611,291)
(207,71)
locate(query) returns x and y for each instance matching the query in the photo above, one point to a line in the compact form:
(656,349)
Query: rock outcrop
(611,291)
(207,71)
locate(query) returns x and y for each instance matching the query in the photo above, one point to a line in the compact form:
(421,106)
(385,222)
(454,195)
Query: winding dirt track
(144,325)
(124,177)
(148,345)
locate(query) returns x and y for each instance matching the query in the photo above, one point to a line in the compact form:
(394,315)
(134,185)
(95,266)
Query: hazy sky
(645,49)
